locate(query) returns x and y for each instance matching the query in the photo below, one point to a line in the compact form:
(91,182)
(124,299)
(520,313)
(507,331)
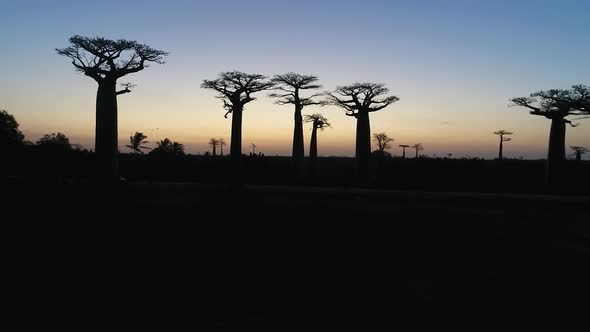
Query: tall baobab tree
(502,133)
(579,151)
(289,87)
(359,100)
(418,147)
(403,146)
(382,140)
(235,89)
(557,105)
(317,121)
(221,145)
(106,61)
(214,143)
(136,142)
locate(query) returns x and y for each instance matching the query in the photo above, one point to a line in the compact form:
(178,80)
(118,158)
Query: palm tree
(503,139)
(214,142)
(136,142)
(418,147)
(403,146)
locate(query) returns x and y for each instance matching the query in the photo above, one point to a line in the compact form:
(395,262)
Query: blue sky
(454,65)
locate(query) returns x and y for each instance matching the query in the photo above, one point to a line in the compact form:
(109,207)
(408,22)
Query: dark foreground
(182,257)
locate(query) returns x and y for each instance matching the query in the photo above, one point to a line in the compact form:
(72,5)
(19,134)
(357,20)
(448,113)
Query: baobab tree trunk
(313,148)
(404,153)
(578,156)
(500,151)
(363,146)
(214,151)
(556,154)
(416,153)
(106,144)
(235,149)
(298,150)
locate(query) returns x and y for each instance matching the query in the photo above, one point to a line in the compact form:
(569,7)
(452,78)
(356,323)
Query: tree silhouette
(290,86)
(136,142)
(403,146)
(55,142)
(214,143)
(417,147)
(235,89)
(253,149)
(358,100)
(382,140)
(167,147)
(579,151)
(317,121)
(503,139)
(106,61)
(10,136)
(556,105)
(221,145)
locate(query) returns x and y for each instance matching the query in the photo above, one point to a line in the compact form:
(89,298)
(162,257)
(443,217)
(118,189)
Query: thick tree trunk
(106,136)
(501,146)
(416,153)
(363,147)
(555,155)
(214,151)
(235,149)
(404,153)
(298,149)
(578,156)
(313,149)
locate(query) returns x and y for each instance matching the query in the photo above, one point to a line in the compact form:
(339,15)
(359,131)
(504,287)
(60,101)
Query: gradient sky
(454,65)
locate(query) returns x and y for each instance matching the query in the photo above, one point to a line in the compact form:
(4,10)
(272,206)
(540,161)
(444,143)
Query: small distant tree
(253,148)
(289,87)
(382,140)
(106,61)
(318,121)
(557,105)
(359,100)
(167,147)
(136,143)
(221,145)
(10,135)
(579,151)
(54,139)
(214,143)
(502,133)
(403,146)
(235,89)
(418,147)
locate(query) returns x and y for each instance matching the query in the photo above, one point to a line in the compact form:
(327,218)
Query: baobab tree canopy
(102,58)
(290,85)
(360,97)
(557,103)
(235,88)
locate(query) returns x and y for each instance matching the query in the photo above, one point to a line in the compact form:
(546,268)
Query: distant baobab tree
(556,105)
(253,148)
(449,155)
(290,86)
(403,146)
(358,100)
(214,143)
(503,139)
(382,140)
(136,142)
(317,121)
(221,145)
(418,147)
(579,151)
(106,61)
(235,89)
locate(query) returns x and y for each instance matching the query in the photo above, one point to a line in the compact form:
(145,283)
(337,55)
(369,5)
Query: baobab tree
(403,146)
(503,139)
(136,142)
(221,145)
(557,105)
(253,149)
(579,151)
(418,147)
(382,140)
(290,86)
(359,100)
(318,121)
(214,143)
(106,61)
(235,89)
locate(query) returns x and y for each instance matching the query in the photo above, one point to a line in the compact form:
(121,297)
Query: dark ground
(186,257)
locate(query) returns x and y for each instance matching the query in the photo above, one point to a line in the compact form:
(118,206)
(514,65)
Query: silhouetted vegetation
(317,121)
(502,133)
(418,147)
(136,142)
(236,89)
(167,147)
(403,146)
(213,143)
(10,136)
(106,61)
(382,140)
(579,151)
(557,105)
(359,100)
